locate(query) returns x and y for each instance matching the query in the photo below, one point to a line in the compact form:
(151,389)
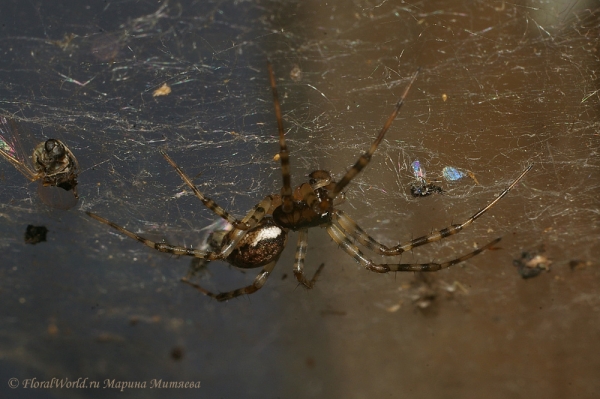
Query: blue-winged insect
(422,188)
(452,174)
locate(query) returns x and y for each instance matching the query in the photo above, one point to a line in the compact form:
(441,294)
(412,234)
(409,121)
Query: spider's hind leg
(434,267)
(347,246)
(299,261)
(350,228)
(259,281)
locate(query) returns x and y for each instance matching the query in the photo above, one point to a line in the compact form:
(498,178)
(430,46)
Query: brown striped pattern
(209,203)
(351,229)
(366,157)
(347,246)
(299,261)
(284,155)
(252,219)
(259,281)
(162,247)
(306,193)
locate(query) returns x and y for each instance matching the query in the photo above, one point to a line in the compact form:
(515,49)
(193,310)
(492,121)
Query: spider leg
(352,229)
(347,246)
(252,219)
(366,157)
(209,203)
(259,281)
(299,261)
(159,246)
(286,189)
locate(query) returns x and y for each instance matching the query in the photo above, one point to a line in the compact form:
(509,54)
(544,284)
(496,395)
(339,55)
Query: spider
(259,238)
(54,165)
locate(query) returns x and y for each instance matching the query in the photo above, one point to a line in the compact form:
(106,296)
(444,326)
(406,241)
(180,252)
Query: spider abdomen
(261,245)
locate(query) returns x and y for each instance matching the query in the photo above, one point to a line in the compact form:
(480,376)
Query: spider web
(503,85)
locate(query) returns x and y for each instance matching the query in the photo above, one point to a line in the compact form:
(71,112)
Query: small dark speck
(284,276)
(35,234)
(177,353)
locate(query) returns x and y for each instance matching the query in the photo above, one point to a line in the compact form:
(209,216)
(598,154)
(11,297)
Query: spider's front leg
(364,159)
(209,203)
(234,237)
(159,246)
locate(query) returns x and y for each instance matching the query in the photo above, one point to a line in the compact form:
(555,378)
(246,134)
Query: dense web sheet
(503,85)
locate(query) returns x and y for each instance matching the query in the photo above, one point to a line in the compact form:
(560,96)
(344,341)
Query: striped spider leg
(312,204)
(234,237)
(252,242)
(347,228)
(260,237)
(209,203)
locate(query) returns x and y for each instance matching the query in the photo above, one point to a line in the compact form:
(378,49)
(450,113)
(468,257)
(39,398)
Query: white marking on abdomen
(266,234)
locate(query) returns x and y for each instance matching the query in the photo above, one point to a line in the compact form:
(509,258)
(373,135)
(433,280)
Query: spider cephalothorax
(308,199)
(260,237)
